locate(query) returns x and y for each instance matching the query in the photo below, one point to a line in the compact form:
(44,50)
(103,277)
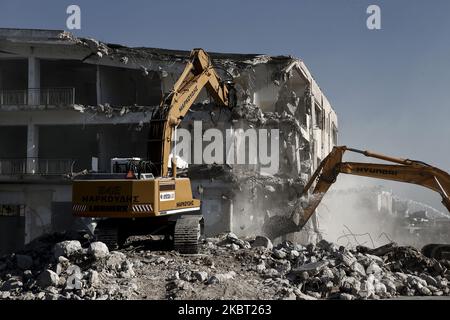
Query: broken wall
(269,97)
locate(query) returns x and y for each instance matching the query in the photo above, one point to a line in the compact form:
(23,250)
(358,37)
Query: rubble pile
(228,267)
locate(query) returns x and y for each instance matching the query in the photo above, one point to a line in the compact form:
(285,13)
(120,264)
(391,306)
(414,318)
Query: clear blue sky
(390,88)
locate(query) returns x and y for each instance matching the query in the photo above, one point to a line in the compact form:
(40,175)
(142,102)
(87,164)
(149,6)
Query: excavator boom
(198,73)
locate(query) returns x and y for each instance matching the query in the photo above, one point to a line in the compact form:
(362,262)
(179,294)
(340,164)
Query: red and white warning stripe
(79,207)
(179,210)
(142,208)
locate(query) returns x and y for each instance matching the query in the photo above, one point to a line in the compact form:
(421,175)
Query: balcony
(36,166)
(42,96)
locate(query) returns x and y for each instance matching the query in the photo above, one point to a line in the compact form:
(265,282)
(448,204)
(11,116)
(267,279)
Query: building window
(10,210)
(318,117)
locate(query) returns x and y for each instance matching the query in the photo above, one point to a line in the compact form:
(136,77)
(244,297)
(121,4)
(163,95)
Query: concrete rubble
(227,268)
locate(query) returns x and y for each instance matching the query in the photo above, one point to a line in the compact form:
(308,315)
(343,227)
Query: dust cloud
(353,213)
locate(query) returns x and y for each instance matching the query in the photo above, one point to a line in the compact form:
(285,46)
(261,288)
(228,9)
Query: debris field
(55,268)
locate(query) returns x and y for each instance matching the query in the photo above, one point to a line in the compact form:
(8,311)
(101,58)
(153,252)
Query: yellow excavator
(404,170)
(141,197)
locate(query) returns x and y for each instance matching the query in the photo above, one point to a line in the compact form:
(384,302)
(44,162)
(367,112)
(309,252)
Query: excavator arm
(404,170)
(198,73)
(409,171)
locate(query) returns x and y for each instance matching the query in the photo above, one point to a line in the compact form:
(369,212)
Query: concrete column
(297,154)
(34,80)
(229,219)
(32,148)
(104,152)
(98,86)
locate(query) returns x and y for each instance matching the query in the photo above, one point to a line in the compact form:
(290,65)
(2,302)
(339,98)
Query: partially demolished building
(68,104)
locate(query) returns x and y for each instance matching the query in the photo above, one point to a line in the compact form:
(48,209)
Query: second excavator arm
(404,170)
(198,73)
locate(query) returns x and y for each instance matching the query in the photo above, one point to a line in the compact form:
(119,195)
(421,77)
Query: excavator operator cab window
(122,165)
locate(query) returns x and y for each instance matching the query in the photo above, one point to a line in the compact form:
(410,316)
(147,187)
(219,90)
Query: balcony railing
(35,166)
(42,96)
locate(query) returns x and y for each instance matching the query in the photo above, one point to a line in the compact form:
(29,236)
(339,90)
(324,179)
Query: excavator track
(187,234)
(109,232)
(109,235)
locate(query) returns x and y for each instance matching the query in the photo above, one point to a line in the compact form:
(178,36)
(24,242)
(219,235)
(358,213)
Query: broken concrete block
(442,283)
(423,290)
(4,295)
(311,268)
(350,285)
(261,267)
(293,254)
(271,273)
(390,285)
(346,258)
(346,296)
(415,281)
(357,267)
(301,296)
(63,260)
(234,247)
(66,248)
(261,241)
(48,278)
(374,258)
(93,278)
(201,276)
(115,260)
(186,275)
(374,268)
(174,276)
(326,273)
(380,288)
(283,266)
(98,250)
(289,296)
(367,287)
(430,280)
(279,253)
(127,270)
(221,277)
(231,236)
